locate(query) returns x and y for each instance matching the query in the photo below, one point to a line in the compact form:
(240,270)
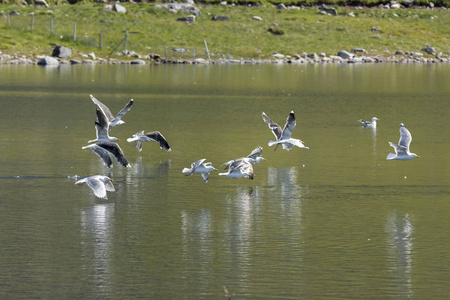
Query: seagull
(113,121)
(102,129)
(103,150)
(199,167)
(239,169)
(372,124)
(99,184)
(284,136)
(253,158)
(156,136)
(402,149)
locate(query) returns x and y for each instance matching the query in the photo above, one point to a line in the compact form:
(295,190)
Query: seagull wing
(205,177)
(256,153)
(104,108)
(97,186)
(276,129)
(405,137)
(115,150)
(123,111)
(102,153)
(289,126)
(159,138)
(196,164)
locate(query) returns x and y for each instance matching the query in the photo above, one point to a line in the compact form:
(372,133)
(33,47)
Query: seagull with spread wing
(99,184)
(402,148)
(102,129)
(199,167)
(105,150)
(284,136)
(239,169)
(156,136)
(113,121)
(253,158)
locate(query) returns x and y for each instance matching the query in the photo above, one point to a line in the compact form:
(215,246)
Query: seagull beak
(112,180)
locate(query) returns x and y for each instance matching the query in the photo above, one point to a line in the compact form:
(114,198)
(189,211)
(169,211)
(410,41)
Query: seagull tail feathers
(391,156)
(187,170)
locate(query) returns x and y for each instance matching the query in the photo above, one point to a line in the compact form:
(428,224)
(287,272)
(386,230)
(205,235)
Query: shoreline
(155,59)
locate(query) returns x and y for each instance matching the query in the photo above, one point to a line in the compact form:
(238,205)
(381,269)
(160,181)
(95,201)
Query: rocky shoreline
(343,57)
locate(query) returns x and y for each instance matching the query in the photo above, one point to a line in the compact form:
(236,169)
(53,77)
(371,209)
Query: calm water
(336,221)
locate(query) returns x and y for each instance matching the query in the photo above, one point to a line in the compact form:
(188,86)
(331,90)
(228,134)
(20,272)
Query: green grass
(150,29)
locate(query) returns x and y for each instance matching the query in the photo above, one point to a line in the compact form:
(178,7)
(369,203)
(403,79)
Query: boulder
(184,7)
(220,18)
(429,50)
(281,6)
(119,8)
(360,50)
(41,2)
(48,61)
(329,10)
(188,19)
(313,56)
(107,8)
(399,52)
(91,55)
(256,18)
(137,62)
(376,28)
(62,52)
(344,54)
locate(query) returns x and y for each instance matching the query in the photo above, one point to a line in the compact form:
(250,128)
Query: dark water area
(336,221)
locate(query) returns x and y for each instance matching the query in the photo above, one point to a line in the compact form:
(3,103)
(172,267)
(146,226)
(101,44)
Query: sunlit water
(336,221)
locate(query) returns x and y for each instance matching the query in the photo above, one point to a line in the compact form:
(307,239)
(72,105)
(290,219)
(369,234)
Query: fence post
(32,23)
(126,41)
(228,57)
(164,51)
(74,31)
(193,56)
(207,51)
(101,39)
(51,26)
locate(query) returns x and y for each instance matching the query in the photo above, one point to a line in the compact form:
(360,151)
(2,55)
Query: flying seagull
(239,169)
(103,150)
(284,136)
(102,129)
(199,167)
(156,136)
(372,124)
(99,184)
(253,158)
(402,149)
(113,121)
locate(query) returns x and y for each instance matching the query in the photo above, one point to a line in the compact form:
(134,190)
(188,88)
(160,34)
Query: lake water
(337,221)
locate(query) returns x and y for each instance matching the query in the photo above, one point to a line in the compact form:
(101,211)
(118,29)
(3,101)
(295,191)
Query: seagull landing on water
(103,150)
(372,124)
(113,121)
(239,169)
(199,167)
(284,136)
(402,149)
(102,129)
(253,158)
(156,136)
(99,184)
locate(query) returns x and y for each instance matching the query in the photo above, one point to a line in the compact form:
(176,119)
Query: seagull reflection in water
(400,242)
(96,244)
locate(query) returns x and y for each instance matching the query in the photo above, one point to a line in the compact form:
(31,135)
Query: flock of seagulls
(105,146)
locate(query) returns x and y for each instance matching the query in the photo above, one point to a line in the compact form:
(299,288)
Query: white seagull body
(284,136)
(239,169)
(199,167)
(372,124)
(253,158)
(402,149)
(102,129)
(103,150)
(99,184)
(156,136)
(113,121)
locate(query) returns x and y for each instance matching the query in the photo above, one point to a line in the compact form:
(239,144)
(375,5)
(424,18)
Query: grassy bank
(149,29)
